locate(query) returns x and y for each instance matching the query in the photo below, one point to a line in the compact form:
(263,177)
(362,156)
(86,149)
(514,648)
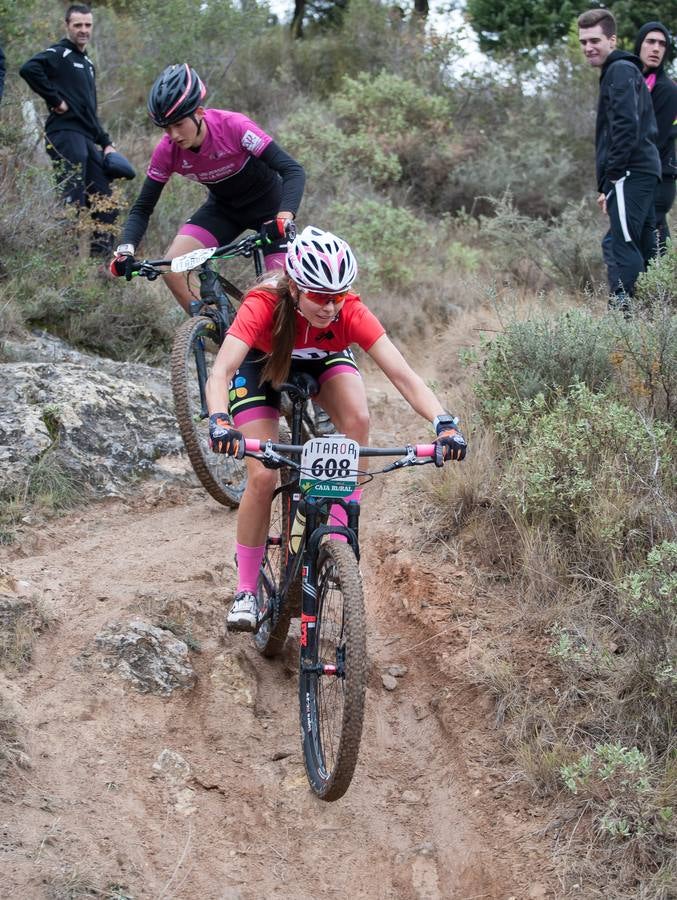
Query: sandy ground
(431,812)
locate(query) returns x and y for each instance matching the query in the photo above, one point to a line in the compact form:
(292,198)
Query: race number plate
(190,260)
(329,466)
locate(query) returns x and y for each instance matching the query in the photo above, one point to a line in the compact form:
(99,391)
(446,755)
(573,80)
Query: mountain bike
(211,315)
(306,572)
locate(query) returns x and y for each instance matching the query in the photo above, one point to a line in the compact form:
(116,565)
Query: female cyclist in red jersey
(251,182)
(303,319)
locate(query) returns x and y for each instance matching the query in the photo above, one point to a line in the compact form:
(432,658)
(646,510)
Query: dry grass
(12,735)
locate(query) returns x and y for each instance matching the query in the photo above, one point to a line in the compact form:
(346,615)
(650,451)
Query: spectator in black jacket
(652,46)
(63,75)
(2,72)
(627,161)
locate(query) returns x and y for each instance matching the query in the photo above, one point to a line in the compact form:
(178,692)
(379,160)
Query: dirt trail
(422,819)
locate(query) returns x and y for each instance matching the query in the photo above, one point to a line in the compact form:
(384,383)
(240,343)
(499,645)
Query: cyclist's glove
(223,438)
(278,229)
(450,443)
(121,265)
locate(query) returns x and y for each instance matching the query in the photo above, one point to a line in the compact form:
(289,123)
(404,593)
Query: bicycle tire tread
(335,786)
(181,358)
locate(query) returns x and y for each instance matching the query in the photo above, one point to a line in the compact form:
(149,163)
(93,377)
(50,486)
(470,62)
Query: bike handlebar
(420,451)
(151,268)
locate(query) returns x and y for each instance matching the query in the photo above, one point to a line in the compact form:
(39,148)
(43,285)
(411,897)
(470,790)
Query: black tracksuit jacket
(664,97)
(626,131)
(62,72)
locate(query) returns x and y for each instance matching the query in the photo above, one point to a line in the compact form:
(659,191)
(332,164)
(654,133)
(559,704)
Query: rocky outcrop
(100,421)
(153,659)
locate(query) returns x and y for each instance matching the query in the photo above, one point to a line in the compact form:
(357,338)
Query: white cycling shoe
(244,612)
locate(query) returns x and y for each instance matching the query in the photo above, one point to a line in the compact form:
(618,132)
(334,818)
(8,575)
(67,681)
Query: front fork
(310,649)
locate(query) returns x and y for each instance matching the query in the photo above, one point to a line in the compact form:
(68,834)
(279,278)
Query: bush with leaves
(383,236)
(330,152)
(629,800)
(565,248)
(590,469)
(648,669)
(542,355)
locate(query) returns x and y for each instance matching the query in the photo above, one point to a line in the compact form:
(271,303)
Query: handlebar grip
(424,450)
(252,445)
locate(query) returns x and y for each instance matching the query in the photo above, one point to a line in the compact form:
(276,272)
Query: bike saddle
(300,386)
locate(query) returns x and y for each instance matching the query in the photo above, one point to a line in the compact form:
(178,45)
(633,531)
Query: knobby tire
(331,706)
(272,633)
(223,477)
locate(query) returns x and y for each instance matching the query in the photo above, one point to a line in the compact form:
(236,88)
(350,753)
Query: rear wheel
(279,601)
(333,678)
(222,476)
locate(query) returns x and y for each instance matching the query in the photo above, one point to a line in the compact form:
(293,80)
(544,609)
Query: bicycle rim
(332,705)
(223,477)
(276,602)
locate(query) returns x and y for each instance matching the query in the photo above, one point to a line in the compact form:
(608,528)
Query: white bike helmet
(319,261)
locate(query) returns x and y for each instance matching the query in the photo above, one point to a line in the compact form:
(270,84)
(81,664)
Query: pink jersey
(232,139)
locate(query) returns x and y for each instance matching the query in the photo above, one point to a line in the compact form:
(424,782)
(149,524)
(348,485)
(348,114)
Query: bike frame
(316,511)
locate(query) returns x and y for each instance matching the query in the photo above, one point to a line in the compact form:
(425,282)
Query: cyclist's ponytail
(278,364)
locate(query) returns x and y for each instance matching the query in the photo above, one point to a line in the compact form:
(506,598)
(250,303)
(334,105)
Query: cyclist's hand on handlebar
(122,262)
(450,443)
(223,438)
(278,229)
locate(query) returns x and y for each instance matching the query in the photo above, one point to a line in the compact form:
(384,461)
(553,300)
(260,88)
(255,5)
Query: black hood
(642,33)
(620,54)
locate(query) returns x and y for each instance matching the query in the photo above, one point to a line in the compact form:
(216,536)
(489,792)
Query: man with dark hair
(627,161)
(64,76)
(653,46)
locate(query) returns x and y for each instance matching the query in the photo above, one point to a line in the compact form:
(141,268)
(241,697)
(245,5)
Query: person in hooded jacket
(653,46)
(628,166)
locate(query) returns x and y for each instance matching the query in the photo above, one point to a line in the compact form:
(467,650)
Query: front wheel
(333,676)
(224,477)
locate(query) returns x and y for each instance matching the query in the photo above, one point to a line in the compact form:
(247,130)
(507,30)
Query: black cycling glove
(450,443)
(223,438)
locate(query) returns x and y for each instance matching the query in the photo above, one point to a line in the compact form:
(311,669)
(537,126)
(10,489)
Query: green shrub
(390,106)
(115,319)
(589,467)
(648,614)
(658,285)
(541,356)
(381,235)
(653,590)
(646,345)
(627,799)
(564,247)
(329,152)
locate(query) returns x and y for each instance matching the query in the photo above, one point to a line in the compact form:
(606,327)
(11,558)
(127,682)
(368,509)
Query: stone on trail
(154,660)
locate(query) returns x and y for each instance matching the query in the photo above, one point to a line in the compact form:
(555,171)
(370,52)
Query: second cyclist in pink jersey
(251,182)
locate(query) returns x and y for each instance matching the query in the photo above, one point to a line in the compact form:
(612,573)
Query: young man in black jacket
(652,45)
(627,161)
(63,75)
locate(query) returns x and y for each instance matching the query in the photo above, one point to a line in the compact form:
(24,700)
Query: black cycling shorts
(215,223)
(250,400)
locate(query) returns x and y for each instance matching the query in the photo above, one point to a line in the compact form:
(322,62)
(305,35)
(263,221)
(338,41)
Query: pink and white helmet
(319,261)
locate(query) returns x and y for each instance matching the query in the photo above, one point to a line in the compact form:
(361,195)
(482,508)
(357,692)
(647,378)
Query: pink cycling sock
(339,516)
(248,565)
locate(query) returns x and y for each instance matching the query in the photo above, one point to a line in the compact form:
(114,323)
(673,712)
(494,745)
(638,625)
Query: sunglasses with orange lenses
(325,298)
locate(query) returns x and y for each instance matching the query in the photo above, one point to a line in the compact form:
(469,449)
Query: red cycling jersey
(354,324)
